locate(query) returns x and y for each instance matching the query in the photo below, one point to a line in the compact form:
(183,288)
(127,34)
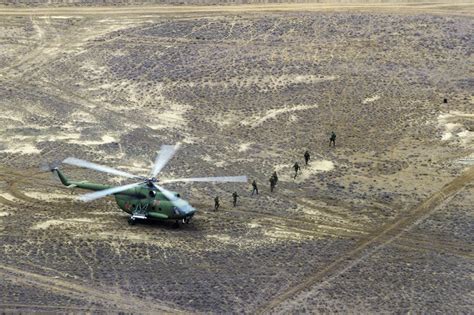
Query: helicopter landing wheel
(131,221)
(176,224)
(186,220)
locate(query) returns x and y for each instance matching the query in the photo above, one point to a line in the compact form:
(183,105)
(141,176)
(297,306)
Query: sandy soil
(380,223)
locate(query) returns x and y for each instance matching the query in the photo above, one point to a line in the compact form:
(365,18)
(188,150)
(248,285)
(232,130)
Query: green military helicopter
(145,199)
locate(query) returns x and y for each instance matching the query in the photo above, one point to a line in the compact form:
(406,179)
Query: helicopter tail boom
(64,180)
(83,184)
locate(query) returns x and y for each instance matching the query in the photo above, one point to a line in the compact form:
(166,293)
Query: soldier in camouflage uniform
(275,176)
(297,168)
(332,139)
(234,197)
(254,187)
(272,183)
(216,203)
(306,157)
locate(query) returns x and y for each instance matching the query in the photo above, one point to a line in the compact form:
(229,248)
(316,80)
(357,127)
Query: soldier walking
(216,203)
(275,176)
(272,183)
(254,186)
(297,168)
(332,139)
(306,157)
(235,196)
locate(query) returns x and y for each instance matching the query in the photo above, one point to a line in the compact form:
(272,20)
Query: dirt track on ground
(246,89)
(118,301)
(433,8)
(377,240)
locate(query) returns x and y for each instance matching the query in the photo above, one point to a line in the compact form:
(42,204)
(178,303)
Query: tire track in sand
(384,236)
(465,9)
(13,308)
(115,300)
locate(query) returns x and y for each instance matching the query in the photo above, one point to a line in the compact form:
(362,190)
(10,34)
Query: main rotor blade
(166,153)
(106,192)
(183,206)
(223,179)
(97,167)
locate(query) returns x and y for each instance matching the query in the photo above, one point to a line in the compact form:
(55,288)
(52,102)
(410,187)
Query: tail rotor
(46,166)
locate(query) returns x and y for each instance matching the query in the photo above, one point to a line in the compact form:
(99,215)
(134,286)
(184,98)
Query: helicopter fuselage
(141,202)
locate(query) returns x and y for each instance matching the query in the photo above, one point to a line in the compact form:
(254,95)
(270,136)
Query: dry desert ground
(382,223)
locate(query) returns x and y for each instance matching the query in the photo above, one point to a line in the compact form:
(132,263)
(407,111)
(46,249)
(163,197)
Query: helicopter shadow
(162,224)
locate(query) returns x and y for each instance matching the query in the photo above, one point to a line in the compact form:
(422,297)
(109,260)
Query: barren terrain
(383,222)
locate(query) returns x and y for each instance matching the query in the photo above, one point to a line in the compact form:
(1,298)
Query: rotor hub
(151,181)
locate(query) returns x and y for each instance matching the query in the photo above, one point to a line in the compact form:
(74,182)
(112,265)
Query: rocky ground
(380,223)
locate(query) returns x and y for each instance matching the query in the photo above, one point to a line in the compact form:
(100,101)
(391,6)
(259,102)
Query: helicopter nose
(185,211)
